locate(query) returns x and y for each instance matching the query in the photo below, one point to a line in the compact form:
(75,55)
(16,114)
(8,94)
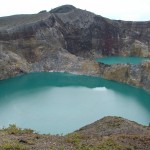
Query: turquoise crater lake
(59,103)
(121,60)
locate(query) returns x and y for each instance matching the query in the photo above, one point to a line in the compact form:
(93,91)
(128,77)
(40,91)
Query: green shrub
(13,129)
(12,146)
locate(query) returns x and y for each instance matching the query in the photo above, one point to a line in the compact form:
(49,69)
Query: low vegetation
(109,133)
(13,129)
(12,146)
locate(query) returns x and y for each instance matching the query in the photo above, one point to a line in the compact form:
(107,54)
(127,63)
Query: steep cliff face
(69,39)
(135,75)
(90,35)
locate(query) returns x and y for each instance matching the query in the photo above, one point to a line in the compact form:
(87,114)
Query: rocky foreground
(70,39)
(109,133)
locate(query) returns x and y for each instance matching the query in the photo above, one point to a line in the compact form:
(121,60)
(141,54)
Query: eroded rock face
(97,36)
(11,65)
(69,39)
(135,75)
(145,74)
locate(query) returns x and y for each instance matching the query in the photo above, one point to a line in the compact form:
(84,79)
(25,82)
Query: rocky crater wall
(69,39)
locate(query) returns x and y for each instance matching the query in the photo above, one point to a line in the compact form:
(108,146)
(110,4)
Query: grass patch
(13,129)
(76,140)
(111,144)
(12,146)
(73,138)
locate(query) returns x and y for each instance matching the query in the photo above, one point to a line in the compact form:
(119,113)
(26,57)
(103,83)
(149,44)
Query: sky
(135,10)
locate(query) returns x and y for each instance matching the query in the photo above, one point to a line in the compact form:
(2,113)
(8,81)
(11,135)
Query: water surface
(61,103)
(121,60)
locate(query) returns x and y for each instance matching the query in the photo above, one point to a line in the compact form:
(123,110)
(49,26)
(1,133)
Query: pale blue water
(122,60)
(61,103)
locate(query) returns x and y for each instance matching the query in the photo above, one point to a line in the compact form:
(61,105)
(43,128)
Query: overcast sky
(135,10)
